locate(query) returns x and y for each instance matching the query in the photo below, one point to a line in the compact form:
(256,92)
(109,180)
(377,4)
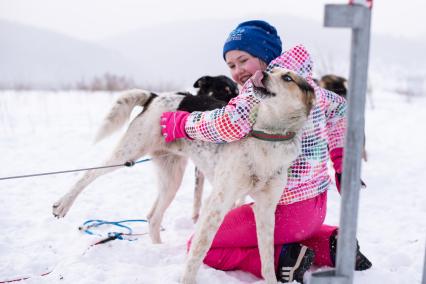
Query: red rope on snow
(23,278)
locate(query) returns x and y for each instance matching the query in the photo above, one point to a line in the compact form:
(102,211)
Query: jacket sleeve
(227,124)
(336,119)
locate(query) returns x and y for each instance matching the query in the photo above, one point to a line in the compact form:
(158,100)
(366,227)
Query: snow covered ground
(48,131)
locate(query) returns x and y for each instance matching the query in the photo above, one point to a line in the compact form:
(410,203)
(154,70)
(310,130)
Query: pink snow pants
(235,244)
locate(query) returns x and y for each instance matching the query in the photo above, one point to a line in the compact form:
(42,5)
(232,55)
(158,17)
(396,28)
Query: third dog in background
(338,85)
(213,92)
(334,83)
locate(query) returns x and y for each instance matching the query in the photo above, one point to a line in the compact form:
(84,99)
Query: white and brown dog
(251,166)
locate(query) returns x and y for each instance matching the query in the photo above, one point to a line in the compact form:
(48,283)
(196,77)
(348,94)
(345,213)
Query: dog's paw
(61,207)
(186,279)
(195,218)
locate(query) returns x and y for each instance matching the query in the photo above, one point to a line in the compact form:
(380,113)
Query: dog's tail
(121,110)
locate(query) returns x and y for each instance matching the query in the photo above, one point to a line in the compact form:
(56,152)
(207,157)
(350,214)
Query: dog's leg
(264,210)
(217,205)
(198,194)
(62,206)
(240,201)
(123,152)
(170,170)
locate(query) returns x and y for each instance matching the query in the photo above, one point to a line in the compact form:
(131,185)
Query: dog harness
(324,131)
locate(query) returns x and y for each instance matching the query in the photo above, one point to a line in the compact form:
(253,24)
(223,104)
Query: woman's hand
(336,156)
(173,125)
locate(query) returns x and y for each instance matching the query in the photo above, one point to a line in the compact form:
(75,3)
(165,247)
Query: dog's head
(335,84)
(219,87)
(213,92)
(287,88)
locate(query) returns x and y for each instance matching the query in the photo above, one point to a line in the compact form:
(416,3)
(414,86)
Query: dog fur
(218,90)
(247,167)
(213,92)
(220,87)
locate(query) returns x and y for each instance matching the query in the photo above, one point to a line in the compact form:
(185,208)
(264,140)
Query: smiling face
(243,65)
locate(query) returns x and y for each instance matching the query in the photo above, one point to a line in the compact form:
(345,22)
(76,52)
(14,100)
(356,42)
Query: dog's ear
(201,81)
(304,86)
(345,84)
(232,87)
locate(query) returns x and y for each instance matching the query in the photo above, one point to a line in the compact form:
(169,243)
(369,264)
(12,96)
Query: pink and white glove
(336,156)
(173,125)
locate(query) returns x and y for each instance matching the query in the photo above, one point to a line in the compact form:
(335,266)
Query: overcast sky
(97,19)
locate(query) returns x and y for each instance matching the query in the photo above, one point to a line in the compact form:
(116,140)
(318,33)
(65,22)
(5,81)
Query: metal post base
(327,277)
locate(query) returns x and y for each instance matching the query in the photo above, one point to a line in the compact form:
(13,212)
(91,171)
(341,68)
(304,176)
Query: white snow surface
(53,131)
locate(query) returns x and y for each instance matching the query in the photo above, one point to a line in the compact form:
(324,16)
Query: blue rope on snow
(88,225)
(86,228)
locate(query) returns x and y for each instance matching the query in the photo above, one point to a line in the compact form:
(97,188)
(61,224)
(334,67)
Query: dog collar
(272,137)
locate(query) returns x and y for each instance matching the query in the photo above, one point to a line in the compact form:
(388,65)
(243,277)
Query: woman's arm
(227,124)
(336,119)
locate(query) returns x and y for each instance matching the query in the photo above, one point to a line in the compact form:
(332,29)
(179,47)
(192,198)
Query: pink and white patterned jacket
(324,131)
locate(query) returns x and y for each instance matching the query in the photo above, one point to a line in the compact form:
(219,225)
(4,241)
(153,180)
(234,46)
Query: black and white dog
(250,166)
(220,89)
(212,92)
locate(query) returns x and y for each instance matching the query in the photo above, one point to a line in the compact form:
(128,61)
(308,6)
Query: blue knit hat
(257,38)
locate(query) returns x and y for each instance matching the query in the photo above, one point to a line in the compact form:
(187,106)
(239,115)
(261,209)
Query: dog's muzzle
(258,80)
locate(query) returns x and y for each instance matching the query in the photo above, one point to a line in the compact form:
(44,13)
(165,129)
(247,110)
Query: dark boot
(295,259)
(361,262)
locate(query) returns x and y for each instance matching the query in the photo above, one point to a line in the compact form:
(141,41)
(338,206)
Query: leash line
(126,164)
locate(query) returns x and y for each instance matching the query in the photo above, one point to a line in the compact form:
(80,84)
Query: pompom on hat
(257,38)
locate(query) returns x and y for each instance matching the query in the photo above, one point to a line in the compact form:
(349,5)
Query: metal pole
(358,18)
(346,246)
(424,269)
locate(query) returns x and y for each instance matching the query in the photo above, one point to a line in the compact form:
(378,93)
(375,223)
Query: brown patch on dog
(303,85)
(148,102)
(309,99)
(254,179)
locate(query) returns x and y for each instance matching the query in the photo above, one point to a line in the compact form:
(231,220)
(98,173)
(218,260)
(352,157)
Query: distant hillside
(186,50)
(178,53)
(43,58)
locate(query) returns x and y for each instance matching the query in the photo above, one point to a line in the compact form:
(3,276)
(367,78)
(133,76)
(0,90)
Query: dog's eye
(287,78)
